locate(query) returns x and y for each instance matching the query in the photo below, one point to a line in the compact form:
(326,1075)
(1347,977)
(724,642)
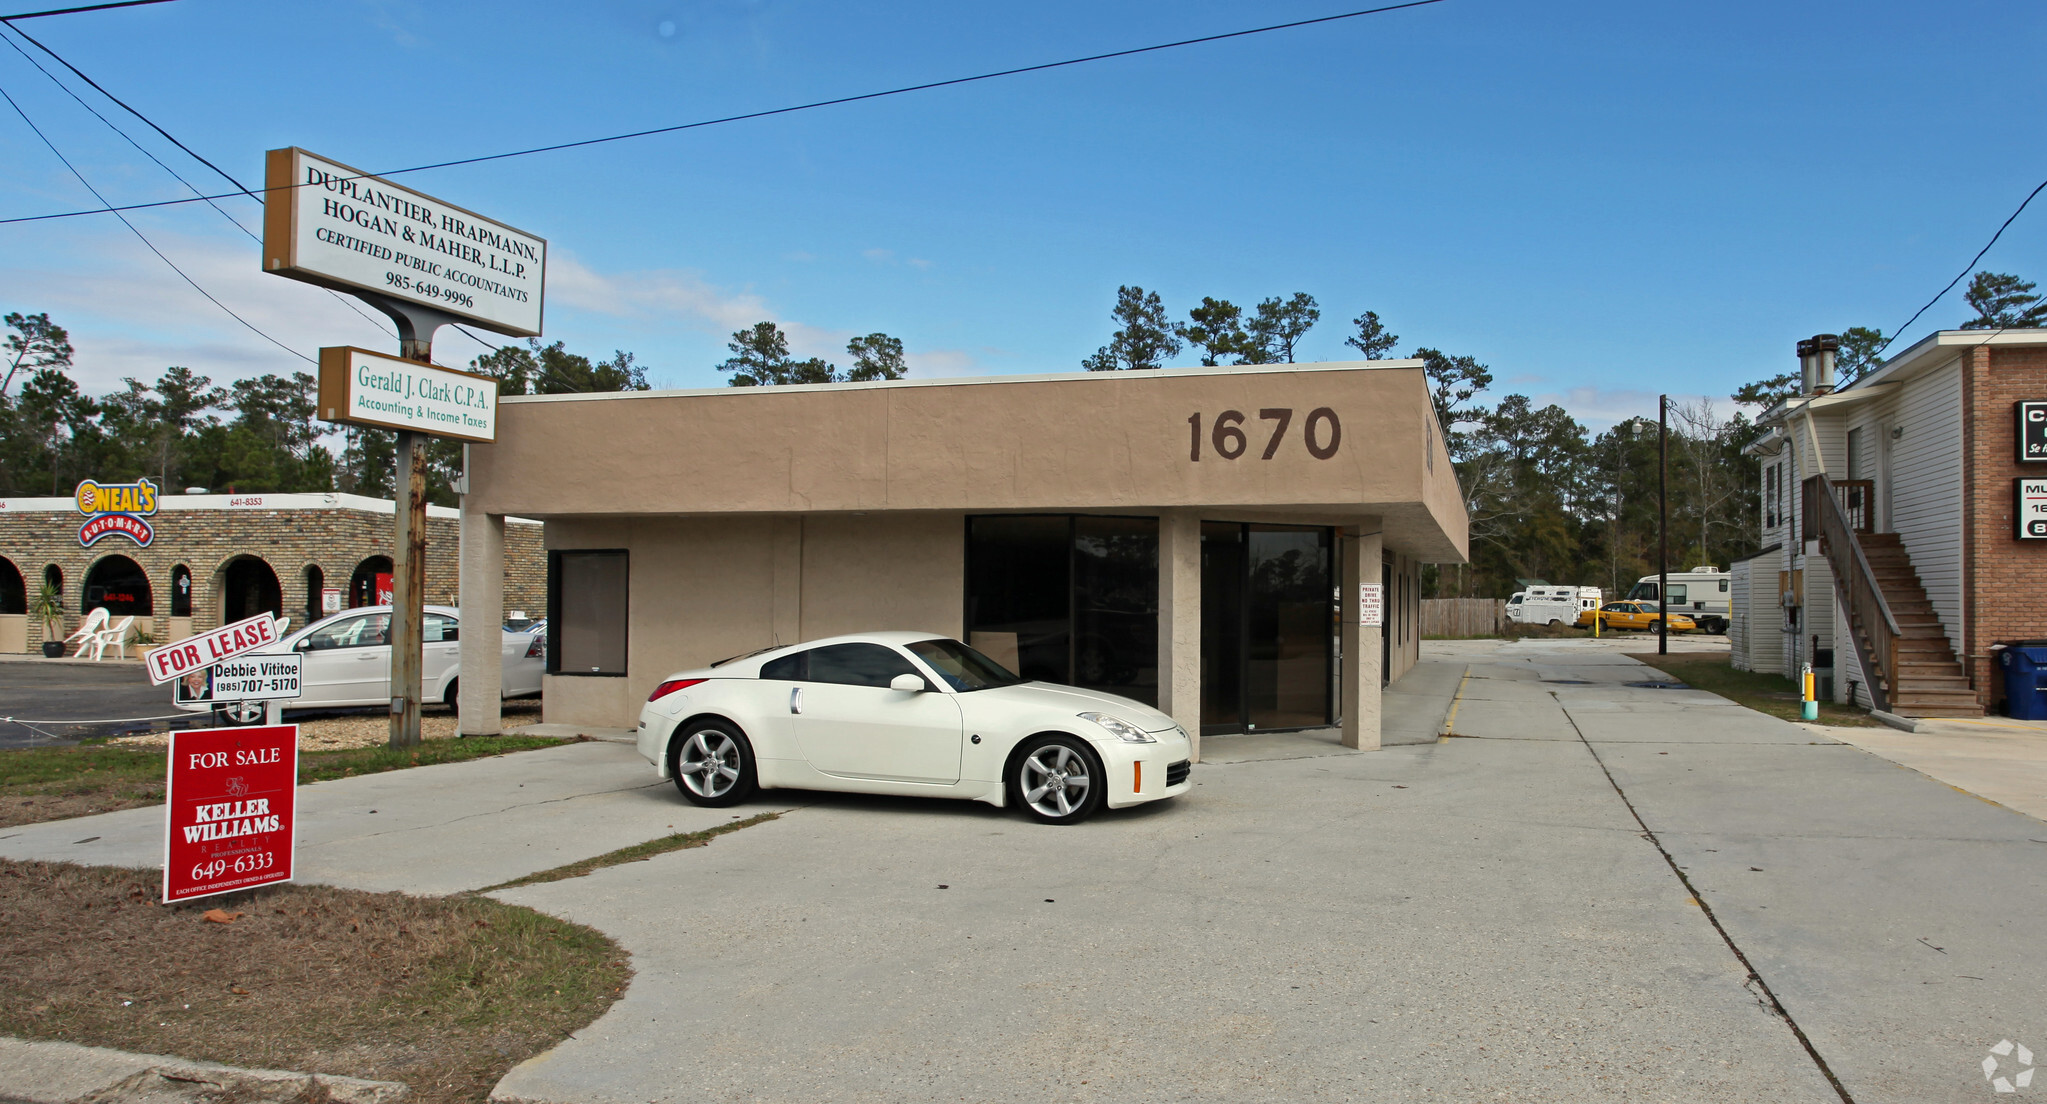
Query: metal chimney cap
(1826,343)
(1805,349)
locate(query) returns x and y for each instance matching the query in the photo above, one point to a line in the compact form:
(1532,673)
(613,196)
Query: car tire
(1065,774)
(453,698)
(712,764)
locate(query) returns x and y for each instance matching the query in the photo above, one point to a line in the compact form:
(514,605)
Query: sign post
(425,263)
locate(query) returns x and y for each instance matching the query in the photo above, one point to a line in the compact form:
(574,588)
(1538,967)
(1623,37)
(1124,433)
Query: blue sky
(1600,200)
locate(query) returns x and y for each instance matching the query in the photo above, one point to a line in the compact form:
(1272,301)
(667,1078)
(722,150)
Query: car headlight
(1121,729)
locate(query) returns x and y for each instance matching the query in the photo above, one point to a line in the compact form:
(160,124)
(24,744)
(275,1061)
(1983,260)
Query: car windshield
(962,667)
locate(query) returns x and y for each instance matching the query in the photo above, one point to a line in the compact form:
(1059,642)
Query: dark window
(369,581)
(249,587)
(1067,599)
(118,584)
(13,590)
(181,591)
(587,608)
(350,632)
(858,664)
(788,668)
(316,581)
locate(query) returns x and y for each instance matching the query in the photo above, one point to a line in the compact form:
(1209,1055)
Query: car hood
(1049,695)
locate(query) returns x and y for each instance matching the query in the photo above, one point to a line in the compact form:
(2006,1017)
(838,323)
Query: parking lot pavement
(40,690)
(431,830)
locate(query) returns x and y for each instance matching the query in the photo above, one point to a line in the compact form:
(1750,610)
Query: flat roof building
(1240,547)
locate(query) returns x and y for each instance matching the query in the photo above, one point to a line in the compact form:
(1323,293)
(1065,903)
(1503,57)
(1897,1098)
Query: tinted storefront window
(1067,599)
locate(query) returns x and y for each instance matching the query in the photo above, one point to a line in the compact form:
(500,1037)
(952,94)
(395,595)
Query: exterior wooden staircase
(1929,681)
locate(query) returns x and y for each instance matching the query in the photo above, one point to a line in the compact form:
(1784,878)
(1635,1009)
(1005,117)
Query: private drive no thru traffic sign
(229,810)
(226,642)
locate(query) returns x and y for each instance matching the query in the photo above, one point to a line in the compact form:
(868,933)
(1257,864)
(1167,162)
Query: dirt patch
(373,729)
(444,994)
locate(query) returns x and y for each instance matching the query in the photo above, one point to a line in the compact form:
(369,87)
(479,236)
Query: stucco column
(482,579)
(1180,621)
(1360,548)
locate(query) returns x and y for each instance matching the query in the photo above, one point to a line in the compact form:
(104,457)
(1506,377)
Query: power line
(1965,271)
(140,148)
(86,8)
(144,239)
(925,87)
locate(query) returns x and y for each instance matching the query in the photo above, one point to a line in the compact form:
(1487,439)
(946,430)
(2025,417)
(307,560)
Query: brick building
(1892,560)
(218,558)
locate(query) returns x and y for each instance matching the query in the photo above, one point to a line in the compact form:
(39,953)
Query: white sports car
(907,713)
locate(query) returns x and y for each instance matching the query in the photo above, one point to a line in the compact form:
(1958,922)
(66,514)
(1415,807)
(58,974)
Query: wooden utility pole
(1663,524)
(408,542)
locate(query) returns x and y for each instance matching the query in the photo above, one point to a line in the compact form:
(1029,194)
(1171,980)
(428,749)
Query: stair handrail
(1857,579)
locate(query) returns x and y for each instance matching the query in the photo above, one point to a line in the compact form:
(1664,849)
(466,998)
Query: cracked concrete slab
(38,1072)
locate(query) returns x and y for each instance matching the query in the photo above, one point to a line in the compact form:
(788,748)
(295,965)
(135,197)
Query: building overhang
(1341,440)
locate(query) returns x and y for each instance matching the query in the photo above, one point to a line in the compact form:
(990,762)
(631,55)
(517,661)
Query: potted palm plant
(46,608)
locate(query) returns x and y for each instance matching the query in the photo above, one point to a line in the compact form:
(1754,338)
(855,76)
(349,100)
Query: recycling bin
(2025,680)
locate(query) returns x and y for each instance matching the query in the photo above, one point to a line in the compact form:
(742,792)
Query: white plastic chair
(88,629)
(115,638)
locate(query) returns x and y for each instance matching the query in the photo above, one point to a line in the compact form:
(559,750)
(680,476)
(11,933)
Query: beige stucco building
(1239,546)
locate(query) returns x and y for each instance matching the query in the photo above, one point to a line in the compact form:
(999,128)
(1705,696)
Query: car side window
(788,668)
(439,628)
(340,634)
(858,664)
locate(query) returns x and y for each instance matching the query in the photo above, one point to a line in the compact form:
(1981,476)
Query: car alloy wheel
(241,712)
(713,764)
(1057,780)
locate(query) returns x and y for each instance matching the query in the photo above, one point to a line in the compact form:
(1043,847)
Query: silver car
(348,663)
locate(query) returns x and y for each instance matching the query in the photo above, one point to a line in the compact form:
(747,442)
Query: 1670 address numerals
(1322,433)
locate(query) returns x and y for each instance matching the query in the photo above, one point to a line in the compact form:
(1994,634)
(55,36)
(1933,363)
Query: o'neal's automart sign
(365,388)
(331,225)
(112,509)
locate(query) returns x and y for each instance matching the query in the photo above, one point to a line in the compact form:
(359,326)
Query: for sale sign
(226,642)
(229,814)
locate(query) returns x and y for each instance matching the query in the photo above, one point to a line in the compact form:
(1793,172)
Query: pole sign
(2031,418)
(112,509)
(365,388)
(182,657)
(338,227)
(248,678)
(229,810)
(2029,508)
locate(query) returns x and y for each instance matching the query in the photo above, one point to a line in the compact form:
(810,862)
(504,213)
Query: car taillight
(537,649)
(670,687)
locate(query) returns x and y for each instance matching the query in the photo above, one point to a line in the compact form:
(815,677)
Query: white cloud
(1599,408)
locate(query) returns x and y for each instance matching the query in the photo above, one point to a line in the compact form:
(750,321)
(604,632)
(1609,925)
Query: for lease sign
(328,224)
(171,660)
(229,810)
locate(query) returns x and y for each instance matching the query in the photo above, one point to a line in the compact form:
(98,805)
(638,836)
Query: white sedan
(907,713)
(348,663)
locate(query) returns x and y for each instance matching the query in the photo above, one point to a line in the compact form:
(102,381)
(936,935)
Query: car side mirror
(909,684)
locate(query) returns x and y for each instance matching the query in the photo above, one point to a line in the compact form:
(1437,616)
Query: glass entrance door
(1267,620)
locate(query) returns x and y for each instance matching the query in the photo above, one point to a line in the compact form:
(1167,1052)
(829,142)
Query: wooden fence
(1464,617)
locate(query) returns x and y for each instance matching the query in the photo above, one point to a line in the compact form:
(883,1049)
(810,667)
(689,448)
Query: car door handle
(796,699)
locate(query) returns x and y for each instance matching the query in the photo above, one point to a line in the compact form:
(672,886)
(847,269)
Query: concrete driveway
(1593,892)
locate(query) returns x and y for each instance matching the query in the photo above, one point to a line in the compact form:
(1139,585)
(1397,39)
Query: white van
(1700,593)
(1551,605)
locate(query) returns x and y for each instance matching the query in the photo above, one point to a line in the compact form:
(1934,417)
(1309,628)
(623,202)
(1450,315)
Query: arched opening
(370,576)
(316,580)
(54,576)
(13,589)
(119,585)
(249,587)
(181,591)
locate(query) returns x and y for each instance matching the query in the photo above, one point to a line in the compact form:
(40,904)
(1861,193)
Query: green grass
(1772,694)
(38,784)
(636,853)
